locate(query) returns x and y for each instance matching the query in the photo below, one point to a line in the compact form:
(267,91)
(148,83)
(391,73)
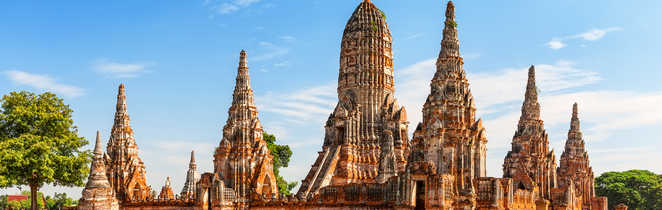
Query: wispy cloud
(282,64)
(309,104)
(121,70)
(225,7)
(556,44)
(271,51)
(414,36)
(604,113)
(591,35)
(44,83)
(288,38)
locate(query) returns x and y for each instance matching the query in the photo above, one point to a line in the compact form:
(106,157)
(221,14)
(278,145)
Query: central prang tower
(366,135)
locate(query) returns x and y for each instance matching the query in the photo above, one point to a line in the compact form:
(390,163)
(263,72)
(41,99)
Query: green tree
(3,201)
(39,143)
(281,154)
(58,201)
(638,189)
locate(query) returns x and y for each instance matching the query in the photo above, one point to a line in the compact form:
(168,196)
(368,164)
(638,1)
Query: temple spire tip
(450,10)
(192,157)
(575,111)
(242,60)
(97,145)
(574,121)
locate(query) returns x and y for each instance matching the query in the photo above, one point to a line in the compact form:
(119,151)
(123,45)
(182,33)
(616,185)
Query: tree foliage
(281,154)
(39,143)
(58,201)
(638,189)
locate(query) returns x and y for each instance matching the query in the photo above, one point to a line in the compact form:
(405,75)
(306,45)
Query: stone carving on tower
(366,109)
(126,170)
(242,160)
(97,193)
(530,162)
(192,177)
(575,167)
(450,141)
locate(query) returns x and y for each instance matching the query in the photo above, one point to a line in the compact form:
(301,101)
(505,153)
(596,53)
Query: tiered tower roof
(192,177)
(575,167)
(98,193)
(530,162)
(366,109)
(242,159)
(126,171)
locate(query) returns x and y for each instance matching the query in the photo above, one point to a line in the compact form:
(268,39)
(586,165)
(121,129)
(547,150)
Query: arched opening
(267,187)
(420,195)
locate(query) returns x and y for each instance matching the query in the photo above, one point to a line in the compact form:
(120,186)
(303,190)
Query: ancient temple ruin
(98,193)
(367,115)
(125,169)
(367,160)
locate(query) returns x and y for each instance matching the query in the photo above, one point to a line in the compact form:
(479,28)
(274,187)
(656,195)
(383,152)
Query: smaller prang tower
(575,167)
(530,163)
(192,177)
(97,193)
(242,160)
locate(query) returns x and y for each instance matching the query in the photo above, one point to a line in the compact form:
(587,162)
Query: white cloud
(271,51)
(230,6)
(309,104)
(596,34)
(44,83)
(282,64)
(227,8)
(591,35)
(288,38)
(121,70)
(556,44)
(414,36)
(499,95)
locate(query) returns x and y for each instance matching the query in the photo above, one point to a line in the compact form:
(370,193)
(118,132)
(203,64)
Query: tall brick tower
(367,116)
(242,159)
(449,137)
(575,166)
(126,170)
(530,162)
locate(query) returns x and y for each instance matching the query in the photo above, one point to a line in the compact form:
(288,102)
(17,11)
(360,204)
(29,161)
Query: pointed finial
(121,91)
(192,157)
(450,10)
(167,183)
(531,89)
(121,98)
(366,1)
(530,107)
(242,60)
(574,110)
(97,146)
(574,121)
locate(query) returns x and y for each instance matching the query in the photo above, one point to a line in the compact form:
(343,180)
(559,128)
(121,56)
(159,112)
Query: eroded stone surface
(367,160)
(125,169)
(97,193)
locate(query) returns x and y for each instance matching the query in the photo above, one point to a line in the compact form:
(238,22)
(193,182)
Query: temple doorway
(420,195)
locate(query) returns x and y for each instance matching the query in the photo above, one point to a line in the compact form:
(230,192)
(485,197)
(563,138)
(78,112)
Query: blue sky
(178,60)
